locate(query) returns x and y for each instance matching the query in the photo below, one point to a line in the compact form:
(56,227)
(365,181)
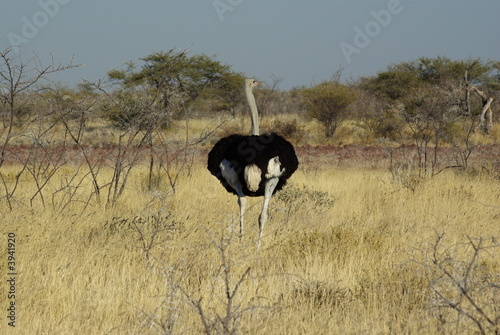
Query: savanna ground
(351,247)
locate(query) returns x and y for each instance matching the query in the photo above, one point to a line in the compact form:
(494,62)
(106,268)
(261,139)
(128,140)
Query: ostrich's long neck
(253,110)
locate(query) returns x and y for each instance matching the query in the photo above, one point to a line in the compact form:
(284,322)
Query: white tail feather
(274,168)
(252,177)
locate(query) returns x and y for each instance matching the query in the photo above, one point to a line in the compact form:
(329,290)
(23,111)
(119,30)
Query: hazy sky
(303,42)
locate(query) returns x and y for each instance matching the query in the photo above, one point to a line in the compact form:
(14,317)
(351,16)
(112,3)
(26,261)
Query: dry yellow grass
(345,252)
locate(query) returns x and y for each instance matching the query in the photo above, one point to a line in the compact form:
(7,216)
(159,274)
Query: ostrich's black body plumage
(241,150)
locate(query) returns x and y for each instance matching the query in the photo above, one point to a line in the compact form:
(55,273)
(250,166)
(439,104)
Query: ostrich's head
(251,83)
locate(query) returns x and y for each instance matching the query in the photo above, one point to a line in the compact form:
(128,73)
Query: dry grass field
(346,251)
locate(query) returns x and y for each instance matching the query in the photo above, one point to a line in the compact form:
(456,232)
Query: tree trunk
(486,118)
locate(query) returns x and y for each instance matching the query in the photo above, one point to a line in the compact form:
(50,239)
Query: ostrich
(254,165)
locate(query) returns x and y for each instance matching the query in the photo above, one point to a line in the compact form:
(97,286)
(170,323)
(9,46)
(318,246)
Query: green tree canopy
(400,81)
(328,103)
(177,72)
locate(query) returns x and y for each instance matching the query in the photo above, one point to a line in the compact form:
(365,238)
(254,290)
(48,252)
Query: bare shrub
(219,312)
(464,284)
(153,230)
(19,81)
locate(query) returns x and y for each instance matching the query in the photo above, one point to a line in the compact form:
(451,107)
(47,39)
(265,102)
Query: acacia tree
(181,80)
(328,102)
(430,114)
(430,95)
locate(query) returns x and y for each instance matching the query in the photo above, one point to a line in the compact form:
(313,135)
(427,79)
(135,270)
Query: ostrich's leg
(230,175)
(268,192)
(242,201)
